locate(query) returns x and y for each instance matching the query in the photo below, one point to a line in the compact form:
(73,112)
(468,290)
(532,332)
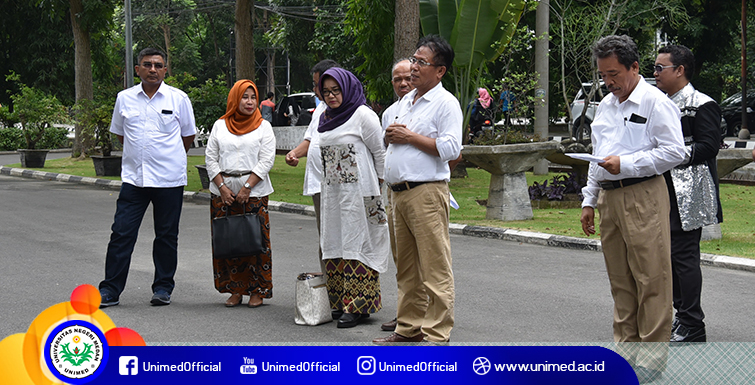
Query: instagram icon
(366,365)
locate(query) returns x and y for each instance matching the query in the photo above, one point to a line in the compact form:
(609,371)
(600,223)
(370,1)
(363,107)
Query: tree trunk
(166,37)
(244,40)
(271,70)
(83,67)
(270,85)
(406,28)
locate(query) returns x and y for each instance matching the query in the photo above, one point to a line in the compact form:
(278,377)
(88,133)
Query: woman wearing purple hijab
(353,228)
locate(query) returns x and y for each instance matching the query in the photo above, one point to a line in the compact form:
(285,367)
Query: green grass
(738,203)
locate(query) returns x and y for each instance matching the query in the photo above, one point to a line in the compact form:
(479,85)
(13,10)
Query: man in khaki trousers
(637,134)
(424,137)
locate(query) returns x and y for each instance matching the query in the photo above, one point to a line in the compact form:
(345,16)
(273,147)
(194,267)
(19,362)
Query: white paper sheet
(587,157)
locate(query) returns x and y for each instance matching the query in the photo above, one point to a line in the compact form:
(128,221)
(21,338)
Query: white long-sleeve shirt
(644,131)
(436,115)
(253,151)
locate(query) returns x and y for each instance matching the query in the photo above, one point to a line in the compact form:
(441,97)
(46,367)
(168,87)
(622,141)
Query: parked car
(578,105)
(731,111)
(305,104)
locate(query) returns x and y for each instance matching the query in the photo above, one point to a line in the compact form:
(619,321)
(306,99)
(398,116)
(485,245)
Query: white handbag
(312,303)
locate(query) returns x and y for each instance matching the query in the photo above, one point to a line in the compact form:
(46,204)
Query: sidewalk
(513,235)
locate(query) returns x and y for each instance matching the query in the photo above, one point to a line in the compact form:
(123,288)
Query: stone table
(508,196)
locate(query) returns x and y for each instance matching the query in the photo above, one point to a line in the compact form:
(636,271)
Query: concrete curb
(734,263)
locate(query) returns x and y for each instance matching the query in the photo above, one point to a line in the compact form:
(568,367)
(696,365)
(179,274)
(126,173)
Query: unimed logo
(128,365)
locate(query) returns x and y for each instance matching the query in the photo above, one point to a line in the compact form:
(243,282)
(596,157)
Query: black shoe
(349,320)
(675,325)
(336,314)
(108,300)
(686,334)
(646,375)
(161,298)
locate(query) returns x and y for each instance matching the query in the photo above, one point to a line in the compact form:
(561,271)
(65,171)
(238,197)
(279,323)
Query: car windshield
(736,99)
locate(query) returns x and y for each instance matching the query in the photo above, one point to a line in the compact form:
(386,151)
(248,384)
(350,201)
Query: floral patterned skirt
(245,275)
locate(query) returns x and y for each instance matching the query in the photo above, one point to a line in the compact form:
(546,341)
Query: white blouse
(362,130)
(253,151)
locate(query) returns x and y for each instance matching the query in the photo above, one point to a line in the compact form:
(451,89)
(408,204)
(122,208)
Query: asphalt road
(53,237)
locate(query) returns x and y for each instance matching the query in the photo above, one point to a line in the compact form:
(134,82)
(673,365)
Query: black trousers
(687,276)
(130,209)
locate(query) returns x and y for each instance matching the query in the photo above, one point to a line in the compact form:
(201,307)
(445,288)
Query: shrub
(560,186)
(11,138)
(7,118)
(37,111)
(209,101)
(94,118)
(55,137)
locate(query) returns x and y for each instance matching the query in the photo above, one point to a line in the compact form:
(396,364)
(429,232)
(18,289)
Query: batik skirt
(352,286)
(244,275)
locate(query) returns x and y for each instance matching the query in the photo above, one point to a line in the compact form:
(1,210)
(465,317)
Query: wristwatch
(246,185)
(221,185)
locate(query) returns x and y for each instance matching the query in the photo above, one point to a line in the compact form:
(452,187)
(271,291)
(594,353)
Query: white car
(578,105)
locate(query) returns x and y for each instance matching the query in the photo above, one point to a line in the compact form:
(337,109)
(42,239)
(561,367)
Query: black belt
(402,186)
(614,184)
(235,174)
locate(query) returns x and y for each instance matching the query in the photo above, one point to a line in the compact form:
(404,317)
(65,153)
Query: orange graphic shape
(124,337)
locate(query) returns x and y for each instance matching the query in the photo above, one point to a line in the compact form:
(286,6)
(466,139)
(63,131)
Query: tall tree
(86,16)
(406,28)
(82,66)
(244,40)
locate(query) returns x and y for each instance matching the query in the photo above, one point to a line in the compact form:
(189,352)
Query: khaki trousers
(636,239)
(422,252)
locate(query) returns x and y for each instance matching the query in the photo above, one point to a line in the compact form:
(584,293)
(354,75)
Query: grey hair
(621,46)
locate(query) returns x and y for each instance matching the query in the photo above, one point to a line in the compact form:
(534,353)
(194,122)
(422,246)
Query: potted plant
(36,111)
(94,118)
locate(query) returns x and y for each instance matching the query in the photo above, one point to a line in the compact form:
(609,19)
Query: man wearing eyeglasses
(637,133)
(155,124)
(424,137)
(694,203)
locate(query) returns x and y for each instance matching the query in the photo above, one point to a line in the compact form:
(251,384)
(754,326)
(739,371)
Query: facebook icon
(128,365)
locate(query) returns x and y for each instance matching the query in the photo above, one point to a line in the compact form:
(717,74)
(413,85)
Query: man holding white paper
(637,132)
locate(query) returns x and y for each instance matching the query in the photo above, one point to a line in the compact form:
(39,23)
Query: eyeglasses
(422,63)
(148,65)
(334,92)
(659,68)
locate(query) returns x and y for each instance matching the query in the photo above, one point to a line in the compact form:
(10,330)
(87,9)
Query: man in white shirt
(422,140)
(637,132)
(310,147)
(155,123)
(401,81)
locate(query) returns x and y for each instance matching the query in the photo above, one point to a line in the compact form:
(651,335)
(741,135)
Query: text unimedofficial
(418,367)
(302,367)
(182,367)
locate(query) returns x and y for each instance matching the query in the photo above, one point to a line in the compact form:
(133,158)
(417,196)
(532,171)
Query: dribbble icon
(366,365)
(128,365)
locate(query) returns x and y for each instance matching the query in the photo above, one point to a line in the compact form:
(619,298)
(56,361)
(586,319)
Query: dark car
(731,111)
(303,105)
